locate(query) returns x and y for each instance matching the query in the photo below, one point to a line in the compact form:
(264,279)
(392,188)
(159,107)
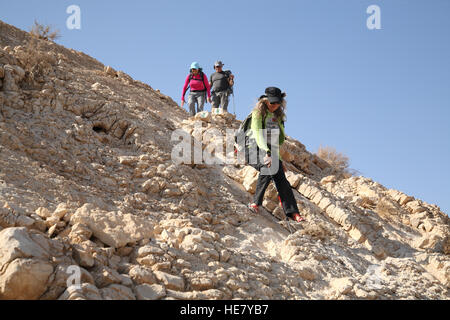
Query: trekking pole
(234,106)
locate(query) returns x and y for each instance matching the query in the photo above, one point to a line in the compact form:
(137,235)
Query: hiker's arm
(281,139)
(256,127)
(231,80)
(186,83)
(208,87)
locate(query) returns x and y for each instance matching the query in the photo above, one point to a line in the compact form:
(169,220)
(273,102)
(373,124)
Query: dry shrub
(44,32)
(35,60)
(337,160)
(33,57)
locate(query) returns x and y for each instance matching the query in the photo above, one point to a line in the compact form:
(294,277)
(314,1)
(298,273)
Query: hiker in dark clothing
(269,114)
(221,83)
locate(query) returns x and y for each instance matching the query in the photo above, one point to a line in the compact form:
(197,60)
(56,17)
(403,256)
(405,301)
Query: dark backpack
(230,87)
(242,142)
(227,74)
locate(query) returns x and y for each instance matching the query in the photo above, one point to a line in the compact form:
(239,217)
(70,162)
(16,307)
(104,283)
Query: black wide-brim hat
(274,95)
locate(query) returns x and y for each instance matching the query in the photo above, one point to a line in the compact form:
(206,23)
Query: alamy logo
(374,277)
(374,21)
(74,20)
(75,277)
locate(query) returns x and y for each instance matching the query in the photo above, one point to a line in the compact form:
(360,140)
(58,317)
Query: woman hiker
(269,113)
(198,82)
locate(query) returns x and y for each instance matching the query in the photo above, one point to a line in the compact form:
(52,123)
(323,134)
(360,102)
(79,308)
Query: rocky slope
(88,189)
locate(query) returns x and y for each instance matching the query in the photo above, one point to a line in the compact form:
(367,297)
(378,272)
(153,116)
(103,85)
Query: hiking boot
(253,207)
(298,218)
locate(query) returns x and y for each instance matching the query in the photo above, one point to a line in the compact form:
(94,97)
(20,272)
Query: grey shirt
(219,81)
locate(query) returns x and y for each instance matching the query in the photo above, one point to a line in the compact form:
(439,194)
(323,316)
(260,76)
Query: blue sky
(382,97)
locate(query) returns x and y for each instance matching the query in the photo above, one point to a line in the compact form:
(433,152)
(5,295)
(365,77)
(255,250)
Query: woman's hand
(209,100)
(268,161)
(182,103)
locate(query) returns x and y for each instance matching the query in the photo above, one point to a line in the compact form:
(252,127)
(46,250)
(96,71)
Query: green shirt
(270,123)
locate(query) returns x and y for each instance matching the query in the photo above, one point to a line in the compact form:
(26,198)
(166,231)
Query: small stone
(170,281)
(150,292)
(117,292)
(61,210)
(202,284)
(224,255)
(306,273)
(43,212)
(141,275)
(342,285)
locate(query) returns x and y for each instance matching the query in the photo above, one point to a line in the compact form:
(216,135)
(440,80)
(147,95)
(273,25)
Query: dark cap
(274,95)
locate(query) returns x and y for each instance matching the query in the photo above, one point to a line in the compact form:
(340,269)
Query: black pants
(282,185)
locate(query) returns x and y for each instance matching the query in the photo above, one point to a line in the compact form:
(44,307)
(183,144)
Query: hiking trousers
(282,185)
(196,98)
(219,99)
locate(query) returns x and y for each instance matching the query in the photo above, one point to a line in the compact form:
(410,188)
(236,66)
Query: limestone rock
(117,292)
(203,116)
(20,243)
(150,292)
(85,291)
(294,179)
(170,281)
(114,228)
(83,253)
(250,177)
(201,284)
(25,279)
(342,285)
(306,273)
(142,275)
(43,212)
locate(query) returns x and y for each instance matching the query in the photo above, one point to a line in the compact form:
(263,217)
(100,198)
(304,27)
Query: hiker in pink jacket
(200,89)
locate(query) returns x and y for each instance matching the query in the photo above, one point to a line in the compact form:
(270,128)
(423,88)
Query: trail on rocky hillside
(88,183)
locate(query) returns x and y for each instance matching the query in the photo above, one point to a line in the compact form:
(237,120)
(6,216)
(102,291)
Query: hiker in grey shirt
(221,83)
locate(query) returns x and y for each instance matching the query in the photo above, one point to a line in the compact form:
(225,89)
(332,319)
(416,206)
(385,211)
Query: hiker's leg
(224,100)
(285,192)
(215,100)
(261,187)
(191,103)
(201,101)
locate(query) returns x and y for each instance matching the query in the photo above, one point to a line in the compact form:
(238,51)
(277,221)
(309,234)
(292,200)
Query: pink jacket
(196,83)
